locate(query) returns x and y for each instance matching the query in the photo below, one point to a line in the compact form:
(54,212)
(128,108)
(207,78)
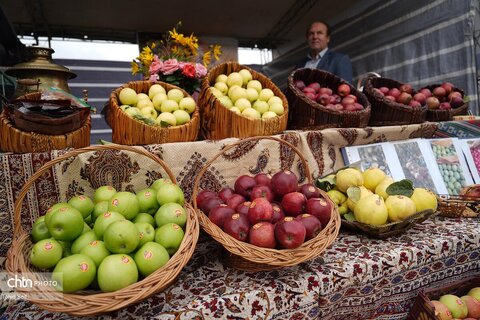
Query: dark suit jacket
(333,62)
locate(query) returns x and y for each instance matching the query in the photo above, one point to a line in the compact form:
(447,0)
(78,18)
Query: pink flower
(188,70)
(156,65)
(200,70)
(169,66)
(153,77)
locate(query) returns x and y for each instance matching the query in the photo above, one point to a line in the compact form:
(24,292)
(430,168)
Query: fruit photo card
(471,151)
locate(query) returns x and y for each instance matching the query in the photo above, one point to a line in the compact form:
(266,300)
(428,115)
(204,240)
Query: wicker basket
(18,141)
(446,115)
(92,302)
(390,229)
(306,114)
(390,113)
(458,206)
(245,256)
(128,131)
(219,123)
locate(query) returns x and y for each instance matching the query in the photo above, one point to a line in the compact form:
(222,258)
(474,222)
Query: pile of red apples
(442,97)
(339,99)
(268,211)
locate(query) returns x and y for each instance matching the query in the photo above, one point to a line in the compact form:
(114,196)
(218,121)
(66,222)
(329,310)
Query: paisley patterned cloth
(356,278)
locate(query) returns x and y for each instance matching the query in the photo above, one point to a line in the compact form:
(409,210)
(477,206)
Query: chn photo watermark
(21,286)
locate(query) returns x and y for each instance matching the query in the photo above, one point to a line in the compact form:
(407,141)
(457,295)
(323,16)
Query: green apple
(159,182)
(46,253)
(146,232)
(169,106)
(265,94)
(82,241)
(171,213)
(242,104)
(83,204)
(104,220)
(158,100)
(128,96)
(52,209)
(181,116)
(252,94)
(150,257)
(142,96)
(144,103)
(170,193)
(66,224)
(132,112)
(74,273)
(147,200)
(125,203)
(225,100)
(40,230)
(251,113)
(121,237)
(255,84)
(155,89)
(175,94)
(261,106)
(221,78)
(170,236)
(98,209)
(234,78)
(145,217)
(166,119)
(103,193)
(277,108)
(269,114)
(187,104)
(222,87)
(217,93)
(149,112)
(275,99)
(246,76)
(236,110)
(96,250)
(237,93)
(116,271)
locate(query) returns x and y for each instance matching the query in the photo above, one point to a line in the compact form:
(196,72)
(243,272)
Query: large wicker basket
(244,256)
(18,141)
(306,114)
(219,123)
(128,131)
(446,115)
(390,113)
(91,302)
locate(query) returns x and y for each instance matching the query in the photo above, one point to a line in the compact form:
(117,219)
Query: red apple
(311,96)
(454,94)
(384,90)
(448,87)
(415,104)
(404,98)
(323,99)
(350,107)
(225,193)
(347,100)
(309,190)
(343,90)
(320,208)
(263,179)
(391,98)
(315,86)
(290,233)
(262,234)
(283,182)
(260,210)
(378,91)
(235,200)
(237,226)
(432,102)
(406,88)
(335,98)
(244,184)
(204,194)
(210,203)
(312,225)
(293,203)
(445,106)
(456,101)
(309,90)
(325,90)
(219,214)
(426,92)
(420,97)
(358,106)
(300,84)
(439,92)
(338,107)
(278,213)
(394,92)
(261,192)
(242,208)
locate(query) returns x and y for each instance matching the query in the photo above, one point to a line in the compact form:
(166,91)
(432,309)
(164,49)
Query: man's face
(317,37)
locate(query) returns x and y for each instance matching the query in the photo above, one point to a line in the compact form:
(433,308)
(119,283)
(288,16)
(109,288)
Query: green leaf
(403,187)
(326,183)
(349,217)
(164,124)
(354,193)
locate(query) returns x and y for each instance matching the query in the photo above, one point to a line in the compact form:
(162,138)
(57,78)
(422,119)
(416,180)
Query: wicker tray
(19,141)
(390,229)
(244,256)
(92,302)
(219,123)
(306,114)
(458,206)
(446,115)
(128,131)
(390,113)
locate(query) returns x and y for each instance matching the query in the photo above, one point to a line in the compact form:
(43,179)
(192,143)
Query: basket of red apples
(319,100)
(393,103)
(464,205)
(444,101)
(267,221)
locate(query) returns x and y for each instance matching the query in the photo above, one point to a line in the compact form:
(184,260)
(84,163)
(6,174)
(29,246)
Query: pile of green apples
(239,93)
(158,106)
(111,241)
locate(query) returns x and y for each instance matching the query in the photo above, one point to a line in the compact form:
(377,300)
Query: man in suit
(320,57)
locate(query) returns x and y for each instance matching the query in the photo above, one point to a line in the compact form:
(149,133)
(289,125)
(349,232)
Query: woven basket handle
(224,150)
(362,79)
(18,230)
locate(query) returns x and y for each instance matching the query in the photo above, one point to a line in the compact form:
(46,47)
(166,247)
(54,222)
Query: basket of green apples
(97,251)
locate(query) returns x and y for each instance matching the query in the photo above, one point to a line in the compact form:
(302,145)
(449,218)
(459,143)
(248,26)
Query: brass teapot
(40,72)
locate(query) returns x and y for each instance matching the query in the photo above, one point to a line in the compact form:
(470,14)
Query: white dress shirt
(313,61)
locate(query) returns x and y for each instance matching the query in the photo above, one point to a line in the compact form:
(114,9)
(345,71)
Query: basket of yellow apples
(372,203)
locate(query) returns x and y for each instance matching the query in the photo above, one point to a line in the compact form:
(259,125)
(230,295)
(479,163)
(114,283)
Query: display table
(356,278)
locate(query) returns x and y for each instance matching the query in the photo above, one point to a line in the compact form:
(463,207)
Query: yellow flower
(217,51)
(135,68)
(146,56)
(207,58)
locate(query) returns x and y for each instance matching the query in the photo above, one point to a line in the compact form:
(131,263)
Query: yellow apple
(128,96)
(246,76)
(261,106)
(166,119)
(181,116)
(275,99)
(277,108)
(222,87)
(234,78)
(251,113)
(265,94)
(154,89)
(175,94)
(269,114)
(187,104)
(149,112)
(158,99)
(255,84)
(399,207)
(169,106)
(221,78)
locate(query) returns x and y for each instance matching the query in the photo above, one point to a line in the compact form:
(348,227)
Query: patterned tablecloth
(356,278)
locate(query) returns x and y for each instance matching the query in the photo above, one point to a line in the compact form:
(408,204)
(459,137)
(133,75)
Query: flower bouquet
(175,59)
